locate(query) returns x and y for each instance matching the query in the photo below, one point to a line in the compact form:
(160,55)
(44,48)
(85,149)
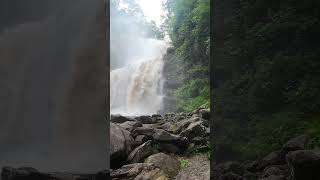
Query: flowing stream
(136,88)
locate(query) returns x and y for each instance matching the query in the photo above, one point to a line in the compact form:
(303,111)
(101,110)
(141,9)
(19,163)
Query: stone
(228,167)
(143,131)
(152,174)
(121,144)
(168,164)
(162,135)
(146,119)
(169,147)
(205,114)
(194,129)
(297,143)
(304,164)
(251,166)
(272,170)
(131,125)
(130,171)
(183,124)
(274,158)
(231,176)
(168,126)
(140,139)
(274,177)
(141,152)
(120,119)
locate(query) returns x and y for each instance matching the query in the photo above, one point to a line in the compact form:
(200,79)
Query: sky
(152,9)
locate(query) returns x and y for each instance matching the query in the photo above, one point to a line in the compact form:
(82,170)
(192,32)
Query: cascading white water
(136,88)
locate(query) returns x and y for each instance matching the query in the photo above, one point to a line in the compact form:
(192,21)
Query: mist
(136,66)
(53,85)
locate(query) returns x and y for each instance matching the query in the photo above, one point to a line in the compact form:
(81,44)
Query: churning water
(136,88)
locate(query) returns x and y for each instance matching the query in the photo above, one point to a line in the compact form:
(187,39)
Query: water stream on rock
(136,88)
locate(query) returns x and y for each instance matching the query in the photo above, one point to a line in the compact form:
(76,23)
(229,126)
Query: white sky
(152,9)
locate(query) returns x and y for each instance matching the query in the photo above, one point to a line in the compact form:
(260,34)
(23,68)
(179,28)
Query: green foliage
(267,86)
(193,94)
(184,163)
(188,28)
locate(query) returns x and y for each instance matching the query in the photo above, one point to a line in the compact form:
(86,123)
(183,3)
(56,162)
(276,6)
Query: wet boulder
(130,171)
(183,124)
(169,165)
(147,131)
(120,119)
(297,143)
(146,119)
(274,158)
(121,144)
(140,139)
(205,114)
(131,125)
(304,164)
(141,152)
(194,129)
(227,169)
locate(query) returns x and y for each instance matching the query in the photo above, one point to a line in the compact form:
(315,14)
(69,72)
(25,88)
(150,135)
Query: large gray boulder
(274,158)
(304,164)
(143,131)
(130,171)
(274,177)
(183,124)
(228,169)
(121,144)
(163,136)
(141,152)
(131,125)
(194,129)
(117,118)
(205,114)
(140,139)
(146,119)
(169,165)
(297,143)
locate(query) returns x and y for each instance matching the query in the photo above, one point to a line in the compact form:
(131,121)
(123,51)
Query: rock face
(292,162)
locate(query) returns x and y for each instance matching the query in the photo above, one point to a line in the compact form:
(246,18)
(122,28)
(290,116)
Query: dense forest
(187,24)
(266,75)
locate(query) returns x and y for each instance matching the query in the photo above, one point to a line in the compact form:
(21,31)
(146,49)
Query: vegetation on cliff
(266,74)
(187,24)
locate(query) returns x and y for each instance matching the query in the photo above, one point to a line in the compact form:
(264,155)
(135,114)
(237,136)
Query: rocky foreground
(159,147)
(292,162)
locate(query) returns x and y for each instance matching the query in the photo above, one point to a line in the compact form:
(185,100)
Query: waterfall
(136,88)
